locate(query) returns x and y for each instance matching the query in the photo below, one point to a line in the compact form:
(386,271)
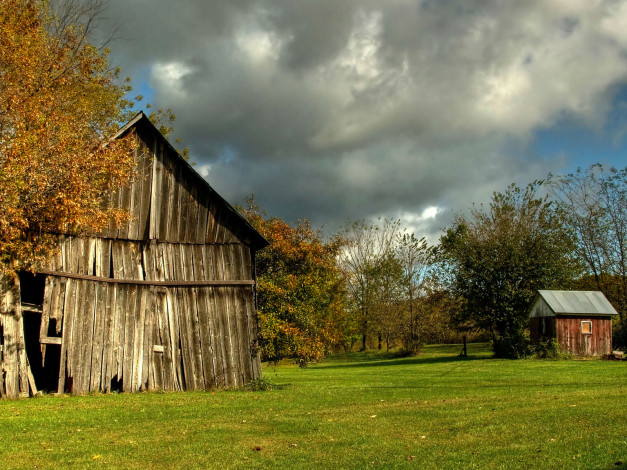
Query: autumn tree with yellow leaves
(300,290)
(60,103)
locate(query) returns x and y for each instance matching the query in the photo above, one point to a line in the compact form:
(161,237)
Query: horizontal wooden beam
(211,283)
(31,308)
(51,340)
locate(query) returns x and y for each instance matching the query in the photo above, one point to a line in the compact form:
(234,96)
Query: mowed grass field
(361,410)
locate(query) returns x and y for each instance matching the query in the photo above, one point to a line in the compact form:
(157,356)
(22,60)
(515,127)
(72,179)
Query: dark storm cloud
(349,109)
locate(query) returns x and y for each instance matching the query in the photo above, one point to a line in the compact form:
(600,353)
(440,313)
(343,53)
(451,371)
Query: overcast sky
(336,109)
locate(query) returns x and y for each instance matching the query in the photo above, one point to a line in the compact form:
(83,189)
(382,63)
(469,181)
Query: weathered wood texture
(137,336)
(144,337)
(169,201)
(571,338)
(14,368)
(567,331)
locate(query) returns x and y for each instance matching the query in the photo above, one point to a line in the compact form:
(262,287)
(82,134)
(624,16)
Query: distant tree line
(375,285)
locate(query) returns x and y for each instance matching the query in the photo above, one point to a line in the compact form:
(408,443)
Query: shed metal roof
(577,302)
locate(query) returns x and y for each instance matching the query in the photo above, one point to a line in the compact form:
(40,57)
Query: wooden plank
(204,331)
(241,295)
(31,379)
(66,252)
(167,198)
(98,353)
(135,196)
(76,260)
(125,204)
(103,258)
(97,257)
(192,219)
(201,221)
(148,341)
(109,366)
(129,338)
(89,245)
(51,340)
(174,336)
(45,315)
(211,220)
(66,334)
(190,273)
(175,208)
(10,356)
(118,259)
(224,311)
(120,328)
(146,191)
(72,351)
(217,232)
(86,338)
(138,342)
(57,302)
(143,282)
(154,192)
(183,206)
(214,307)
(185,329)
(166,372)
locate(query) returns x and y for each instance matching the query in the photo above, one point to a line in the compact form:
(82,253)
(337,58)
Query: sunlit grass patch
(436,410)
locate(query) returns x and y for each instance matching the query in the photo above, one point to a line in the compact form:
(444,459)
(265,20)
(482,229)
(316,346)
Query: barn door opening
(44,359)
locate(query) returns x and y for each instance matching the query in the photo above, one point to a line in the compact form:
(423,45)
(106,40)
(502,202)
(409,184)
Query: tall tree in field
(501,256)
(386,284)
(594,202)
(300,290)
(59,104)
(414,257)
(365,246)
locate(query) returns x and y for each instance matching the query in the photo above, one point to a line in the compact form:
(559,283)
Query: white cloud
(169,76)
(334,110)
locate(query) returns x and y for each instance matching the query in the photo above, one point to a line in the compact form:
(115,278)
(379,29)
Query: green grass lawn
(351,411)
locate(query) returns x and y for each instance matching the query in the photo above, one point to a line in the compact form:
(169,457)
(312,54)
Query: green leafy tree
(386,283)
(594,203)
(414,257)
(501,256)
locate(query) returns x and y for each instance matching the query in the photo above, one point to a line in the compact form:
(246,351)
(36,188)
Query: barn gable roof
(141,121)
(563,302)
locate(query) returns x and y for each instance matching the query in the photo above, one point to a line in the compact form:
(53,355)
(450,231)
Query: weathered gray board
(151,337)
(144,304)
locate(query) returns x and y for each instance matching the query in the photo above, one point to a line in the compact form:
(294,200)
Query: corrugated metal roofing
(578,302)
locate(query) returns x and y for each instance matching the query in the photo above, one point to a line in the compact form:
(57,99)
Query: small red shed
(580,321)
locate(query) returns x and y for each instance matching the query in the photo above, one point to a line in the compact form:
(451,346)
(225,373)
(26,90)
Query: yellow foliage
(59,102)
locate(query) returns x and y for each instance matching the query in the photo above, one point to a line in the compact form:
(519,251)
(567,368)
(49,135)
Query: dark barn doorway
(44,359)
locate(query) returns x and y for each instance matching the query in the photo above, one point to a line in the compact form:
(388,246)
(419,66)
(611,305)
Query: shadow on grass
(380,362)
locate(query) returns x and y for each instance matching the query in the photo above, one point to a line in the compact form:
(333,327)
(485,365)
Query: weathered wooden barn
(580,321)
(166,301)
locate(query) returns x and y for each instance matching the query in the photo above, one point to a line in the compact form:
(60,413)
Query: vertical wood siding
(571,339)
(146,336)
(152,337)
(166,203)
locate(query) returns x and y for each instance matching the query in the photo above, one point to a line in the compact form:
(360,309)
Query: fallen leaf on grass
(96,457)
(410,457)
(373,416)
(293,445)
(257,448)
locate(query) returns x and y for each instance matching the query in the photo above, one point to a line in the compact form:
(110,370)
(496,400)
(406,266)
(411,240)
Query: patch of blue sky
(584,145)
